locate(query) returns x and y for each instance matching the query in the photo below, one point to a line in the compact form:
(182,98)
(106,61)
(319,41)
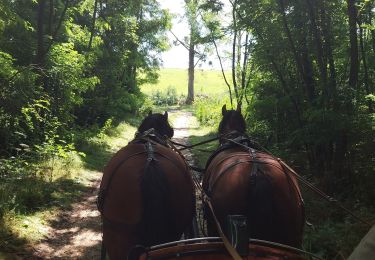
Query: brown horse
(146,194)
(241,180)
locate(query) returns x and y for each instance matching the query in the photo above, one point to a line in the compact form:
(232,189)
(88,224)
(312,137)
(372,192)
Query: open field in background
(207,82)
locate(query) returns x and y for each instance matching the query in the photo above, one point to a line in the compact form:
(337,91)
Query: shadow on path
(75,233)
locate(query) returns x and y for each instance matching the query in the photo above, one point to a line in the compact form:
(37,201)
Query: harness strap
(321,193)
(254,168)
(150,152)
(253,172)
(231,250)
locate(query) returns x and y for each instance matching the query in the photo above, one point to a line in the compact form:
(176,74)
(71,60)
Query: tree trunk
(308,72)
(40,33)
(59,23)
(354,62)
(319,47)
(328,39)
(364,63)
(190,96)
(50,18)
(223,73)
(93,24)
(299,64)
(234,46)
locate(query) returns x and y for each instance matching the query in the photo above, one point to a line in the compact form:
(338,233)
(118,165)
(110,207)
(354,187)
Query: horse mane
(232,121)
(159,122)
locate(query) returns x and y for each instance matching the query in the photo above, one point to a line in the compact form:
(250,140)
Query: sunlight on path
(76,233)
(181,122)
(184,123)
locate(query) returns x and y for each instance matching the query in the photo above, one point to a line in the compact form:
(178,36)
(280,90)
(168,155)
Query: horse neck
(233,133)
(146,136)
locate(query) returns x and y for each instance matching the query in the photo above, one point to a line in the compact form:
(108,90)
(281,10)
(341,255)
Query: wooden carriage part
(210,248)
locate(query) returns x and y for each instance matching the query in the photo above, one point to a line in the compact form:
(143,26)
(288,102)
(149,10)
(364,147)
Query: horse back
(256,185)
(122,180)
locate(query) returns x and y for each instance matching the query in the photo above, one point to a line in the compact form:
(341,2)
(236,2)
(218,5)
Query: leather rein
(228,137)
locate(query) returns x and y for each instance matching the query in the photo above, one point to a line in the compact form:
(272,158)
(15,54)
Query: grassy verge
(203,152)
(39,196)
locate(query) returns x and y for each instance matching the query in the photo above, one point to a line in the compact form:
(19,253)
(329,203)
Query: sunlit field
(207,82)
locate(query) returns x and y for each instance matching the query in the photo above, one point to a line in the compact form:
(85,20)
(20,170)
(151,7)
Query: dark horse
(241,180)
(146,194)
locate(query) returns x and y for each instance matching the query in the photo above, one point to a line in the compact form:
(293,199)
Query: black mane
(232,121)
(159,123)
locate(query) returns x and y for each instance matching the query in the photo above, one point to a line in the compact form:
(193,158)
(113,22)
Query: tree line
(67,64)
(305,71)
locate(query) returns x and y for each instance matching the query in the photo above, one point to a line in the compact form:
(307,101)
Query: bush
(169,97)
(146,107)
(208,110)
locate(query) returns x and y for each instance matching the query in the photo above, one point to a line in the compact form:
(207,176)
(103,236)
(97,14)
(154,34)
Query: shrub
(169,97)
(208,110)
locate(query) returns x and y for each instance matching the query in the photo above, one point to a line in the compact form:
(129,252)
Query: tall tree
(197,43)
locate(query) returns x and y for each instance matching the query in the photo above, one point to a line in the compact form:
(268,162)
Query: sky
(178,56)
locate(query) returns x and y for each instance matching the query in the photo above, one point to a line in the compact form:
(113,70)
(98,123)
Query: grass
(207,82)
(199,134)
(19,228)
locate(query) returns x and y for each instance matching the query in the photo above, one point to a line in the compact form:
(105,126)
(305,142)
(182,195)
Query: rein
(309,185)
(184,147)
(232,251)
(285,166)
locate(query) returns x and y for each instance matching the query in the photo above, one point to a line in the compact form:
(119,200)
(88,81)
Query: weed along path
(75,233)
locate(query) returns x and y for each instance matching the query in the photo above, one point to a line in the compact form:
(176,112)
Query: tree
(197,41)
(69,63)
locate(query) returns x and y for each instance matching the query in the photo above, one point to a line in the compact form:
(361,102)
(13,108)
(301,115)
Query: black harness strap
(254,168)
(150,153)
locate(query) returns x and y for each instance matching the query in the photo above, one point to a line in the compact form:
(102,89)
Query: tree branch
(58,27)
(93,24)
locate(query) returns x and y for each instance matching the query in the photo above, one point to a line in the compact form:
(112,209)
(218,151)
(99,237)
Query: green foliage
(57,91)
(67,72)
(208,109)
(168,97)
(146,107)
(25,177)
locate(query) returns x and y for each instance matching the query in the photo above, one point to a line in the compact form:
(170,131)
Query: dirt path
(76,233)
(181,131)
(181,135)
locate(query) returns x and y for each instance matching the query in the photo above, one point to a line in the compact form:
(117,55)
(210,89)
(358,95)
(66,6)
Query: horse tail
(155,225)
(260,210)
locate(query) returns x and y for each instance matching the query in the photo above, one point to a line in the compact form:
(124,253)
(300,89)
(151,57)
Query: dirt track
(76,234)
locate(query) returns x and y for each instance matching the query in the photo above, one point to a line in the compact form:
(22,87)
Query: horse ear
(224,110)
(150,113)
(166,115)
(238,108)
